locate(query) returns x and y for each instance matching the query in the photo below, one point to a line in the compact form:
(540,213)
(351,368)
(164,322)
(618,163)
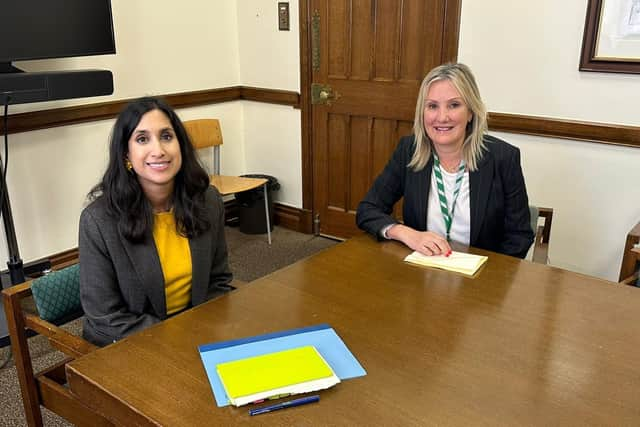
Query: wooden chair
(542,233)
(630,257)
(205,133)
(47,387)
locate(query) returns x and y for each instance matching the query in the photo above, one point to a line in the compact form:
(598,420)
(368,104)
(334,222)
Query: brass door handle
(323,94)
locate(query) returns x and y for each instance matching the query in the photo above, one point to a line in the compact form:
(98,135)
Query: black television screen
(41,29)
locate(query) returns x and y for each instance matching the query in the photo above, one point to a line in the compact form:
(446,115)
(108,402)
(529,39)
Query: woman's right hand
(425,242)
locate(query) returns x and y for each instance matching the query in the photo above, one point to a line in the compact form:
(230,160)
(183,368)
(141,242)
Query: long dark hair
(123,194)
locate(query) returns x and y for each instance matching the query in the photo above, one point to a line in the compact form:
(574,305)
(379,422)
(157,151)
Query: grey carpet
(250,257)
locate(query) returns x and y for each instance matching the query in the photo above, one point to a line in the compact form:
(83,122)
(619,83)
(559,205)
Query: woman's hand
(425,242)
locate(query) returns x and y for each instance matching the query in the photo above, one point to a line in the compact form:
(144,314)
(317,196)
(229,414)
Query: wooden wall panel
(359,152)
(411,41)
(404,128)
(433,31)
(361,39)
(337,145)
(338,23)
(382,142)
(386,34)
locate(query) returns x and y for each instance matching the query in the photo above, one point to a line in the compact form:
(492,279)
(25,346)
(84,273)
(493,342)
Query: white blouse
(461,224)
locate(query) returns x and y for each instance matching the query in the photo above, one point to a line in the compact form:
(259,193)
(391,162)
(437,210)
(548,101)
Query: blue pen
(289,404)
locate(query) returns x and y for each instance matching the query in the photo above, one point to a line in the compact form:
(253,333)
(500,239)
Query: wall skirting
(286,216)
(295,219)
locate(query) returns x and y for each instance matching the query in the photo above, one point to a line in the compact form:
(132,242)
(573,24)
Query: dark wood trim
(64,259)
(605,133)
(304,16)
(588,60)
(451,30)
(270,96)
(44,119)
(293,218)
(204,97)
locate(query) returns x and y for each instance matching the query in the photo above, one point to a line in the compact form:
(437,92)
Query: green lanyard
(444,208)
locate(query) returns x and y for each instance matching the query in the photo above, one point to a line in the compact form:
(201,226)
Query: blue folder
(322,337)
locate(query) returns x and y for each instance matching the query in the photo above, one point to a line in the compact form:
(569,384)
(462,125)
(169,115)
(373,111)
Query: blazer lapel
(423,186)
(200,257)
(479,183)
(145,261)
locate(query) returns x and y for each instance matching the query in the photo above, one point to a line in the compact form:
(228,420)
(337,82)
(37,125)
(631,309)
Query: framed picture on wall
(611,41)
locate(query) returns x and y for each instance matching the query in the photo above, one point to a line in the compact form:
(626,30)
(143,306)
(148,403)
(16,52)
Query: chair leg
(22,359)
(266,212)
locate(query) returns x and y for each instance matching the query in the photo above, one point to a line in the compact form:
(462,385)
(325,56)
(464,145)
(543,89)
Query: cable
(2,190)
(6,151)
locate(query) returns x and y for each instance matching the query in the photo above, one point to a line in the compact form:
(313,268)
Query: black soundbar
(22,88)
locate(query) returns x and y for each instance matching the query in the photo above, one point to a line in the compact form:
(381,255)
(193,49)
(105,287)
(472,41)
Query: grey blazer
(121,283)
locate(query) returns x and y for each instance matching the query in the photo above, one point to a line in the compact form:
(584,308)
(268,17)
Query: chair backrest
(542,233)
(629,267)
(206,133)
(56,298)
(534,213)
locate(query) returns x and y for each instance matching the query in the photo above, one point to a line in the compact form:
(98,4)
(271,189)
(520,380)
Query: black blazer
(121,283)
(498,200)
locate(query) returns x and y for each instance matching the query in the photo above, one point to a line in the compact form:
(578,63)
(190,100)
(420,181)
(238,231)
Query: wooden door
(373,55)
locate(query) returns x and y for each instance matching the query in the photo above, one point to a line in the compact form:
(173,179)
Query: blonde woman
(458,183)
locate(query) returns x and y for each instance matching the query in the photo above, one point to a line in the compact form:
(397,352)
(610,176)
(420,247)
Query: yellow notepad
(458,261)
(298,370)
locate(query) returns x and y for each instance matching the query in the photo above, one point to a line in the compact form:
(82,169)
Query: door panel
(373,54)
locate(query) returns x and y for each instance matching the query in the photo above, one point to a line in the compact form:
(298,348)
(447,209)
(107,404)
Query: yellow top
(175,259)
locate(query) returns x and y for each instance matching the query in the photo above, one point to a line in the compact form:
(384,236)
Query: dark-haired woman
(151,240)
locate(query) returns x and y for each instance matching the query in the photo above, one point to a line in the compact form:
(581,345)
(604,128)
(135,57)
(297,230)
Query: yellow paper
(297,370)
(458,261)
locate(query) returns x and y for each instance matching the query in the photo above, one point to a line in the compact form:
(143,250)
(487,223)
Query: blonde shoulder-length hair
(473,147)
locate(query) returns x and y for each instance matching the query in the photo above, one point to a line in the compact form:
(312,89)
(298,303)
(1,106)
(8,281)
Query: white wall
(171,47)
(272,144)
(162,48)
(525,56)
(165,48)
(270,58)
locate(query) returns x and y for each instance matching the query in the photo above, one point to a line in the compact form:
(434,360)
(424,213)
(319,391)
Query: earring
(128,165)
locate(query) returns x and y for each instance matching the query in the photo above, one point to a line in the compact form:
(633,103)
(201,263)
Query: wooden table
(520,344)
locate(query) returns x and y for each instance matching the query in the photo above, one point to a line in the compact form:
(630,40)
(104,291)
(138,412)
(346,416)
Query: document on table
(459,262)
(325,340)
(293,371)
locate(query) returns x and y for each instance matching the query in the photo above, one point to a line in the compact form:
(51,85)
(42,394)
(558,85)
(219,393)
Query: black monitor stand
(16,272)
(18,87)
